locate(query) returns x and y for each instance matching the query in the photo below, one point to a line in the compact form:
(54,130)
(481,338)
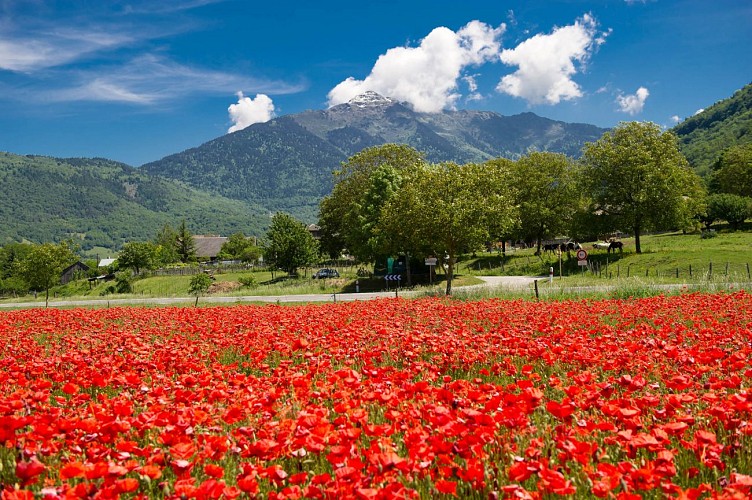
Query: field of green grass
(665,258)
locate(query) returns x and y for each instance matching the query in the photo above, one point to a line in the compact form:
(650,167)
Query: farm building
(208,247)
(74,271)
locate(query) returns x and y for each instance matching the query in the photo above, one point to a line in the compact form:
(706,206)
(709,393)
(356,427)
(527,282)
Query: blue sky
(138,80)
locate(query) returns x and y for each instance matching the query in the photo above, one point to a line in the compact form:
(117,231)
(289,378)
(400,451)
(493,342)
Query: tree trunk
(450,275)
(638,249)
(407,269)
(46,297)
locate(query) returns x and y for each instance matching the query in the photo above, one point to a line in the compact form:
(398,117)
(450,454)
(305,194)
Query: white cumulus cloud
(248,111)
(676,119)
(547,63)
(426,76)
(633,104)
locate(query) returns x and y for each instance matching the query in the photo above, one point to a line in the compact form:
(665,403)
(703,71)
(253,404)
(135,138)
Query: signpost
(392,277)
(582,258)
(431,262)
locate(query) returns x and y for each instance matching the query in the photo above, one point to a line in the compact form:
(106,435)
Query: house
(74,271)
(314,230)
(106,262)
(208,247)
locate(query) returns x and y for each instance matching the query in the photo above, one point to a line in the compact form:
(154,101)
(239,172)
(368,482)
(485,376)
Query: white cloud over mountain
(426,76)
(547,63)
(248,111)
(633,104)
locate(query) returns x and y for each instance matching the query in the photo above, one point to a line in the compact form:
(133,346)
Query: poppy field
(394,398)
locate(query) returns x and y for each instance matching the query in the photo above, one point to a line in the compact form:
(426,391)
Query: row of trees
(389,200)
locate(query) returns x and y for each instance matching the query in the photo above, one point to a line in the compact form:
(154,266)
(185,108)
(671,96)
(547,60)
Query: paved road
(511,282)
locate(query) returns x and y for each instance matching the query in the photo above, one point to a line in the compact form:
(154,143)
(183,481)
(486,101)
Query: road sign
(393,277)
(431,261)
(581,254)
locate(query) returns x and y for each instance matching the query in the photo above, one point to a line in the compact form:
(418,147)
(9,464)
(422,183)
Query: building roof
(208,246)
(106,262)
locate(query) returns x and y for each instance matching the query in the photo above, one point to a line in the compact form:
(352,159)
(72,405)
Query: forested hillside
(98,202)
(705,136)
(286,164)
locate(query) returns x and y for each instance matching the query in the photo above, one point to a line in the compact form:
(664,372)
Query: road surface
(511,282)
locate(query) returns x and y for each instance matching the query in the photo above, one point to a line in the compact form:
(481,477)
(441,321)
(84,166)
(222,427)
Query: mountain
(102,203)
(726,123)
(285,164)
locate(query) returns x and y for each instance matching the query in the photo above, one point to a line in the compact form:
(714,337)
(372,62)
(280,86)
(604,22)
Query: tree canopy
(445,209)
(137,255)
(289,244)
(732,173)
(545,192)
(363,184)
(638,180)
(44,264)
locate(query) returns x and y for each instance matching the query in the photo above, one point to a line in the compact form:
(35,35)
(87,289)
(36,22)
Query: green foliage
(732,173)
(43,265)
(102,203)
(248,281)
(365,182)
(289,244)
(165,246)
(137,255)
(199,284)
(728,207)
(723,125)
(240,247)
(123,282)
(546,194)
(638,180)
(185,245)
(447,209)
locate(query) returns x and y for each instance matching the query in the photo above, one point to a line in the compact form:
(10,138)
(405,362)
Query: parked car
(326,273)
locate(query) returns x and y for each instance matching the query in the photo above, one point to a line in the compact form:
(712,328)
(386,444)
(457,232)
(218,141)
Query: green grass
(665,258)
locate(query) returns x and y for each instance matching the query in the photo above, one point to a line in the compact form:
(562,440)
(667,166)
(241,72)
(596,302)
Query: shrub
(729,207)
(248,281)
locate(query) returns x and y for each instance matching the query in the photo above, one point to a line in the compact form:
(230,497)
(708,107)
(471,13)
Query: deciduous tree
(44,264)
(289,244)
(638,180)
(546,193)
(137,255)
(347,217)
(733,171)
(199,285)
(446,209)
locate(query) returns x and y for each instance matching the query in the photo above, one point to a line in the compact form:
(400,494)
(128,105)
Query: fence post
(748,275)
(536,288)
(710,269)
(690,270)
(727,264)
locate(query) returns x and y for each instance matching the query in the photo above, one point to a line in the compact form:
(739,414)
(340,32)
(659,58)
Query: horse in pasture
(615,245)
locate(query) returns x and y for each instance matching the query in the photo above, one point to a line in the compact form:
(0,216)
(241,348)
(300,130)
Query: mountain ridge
(286,163)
